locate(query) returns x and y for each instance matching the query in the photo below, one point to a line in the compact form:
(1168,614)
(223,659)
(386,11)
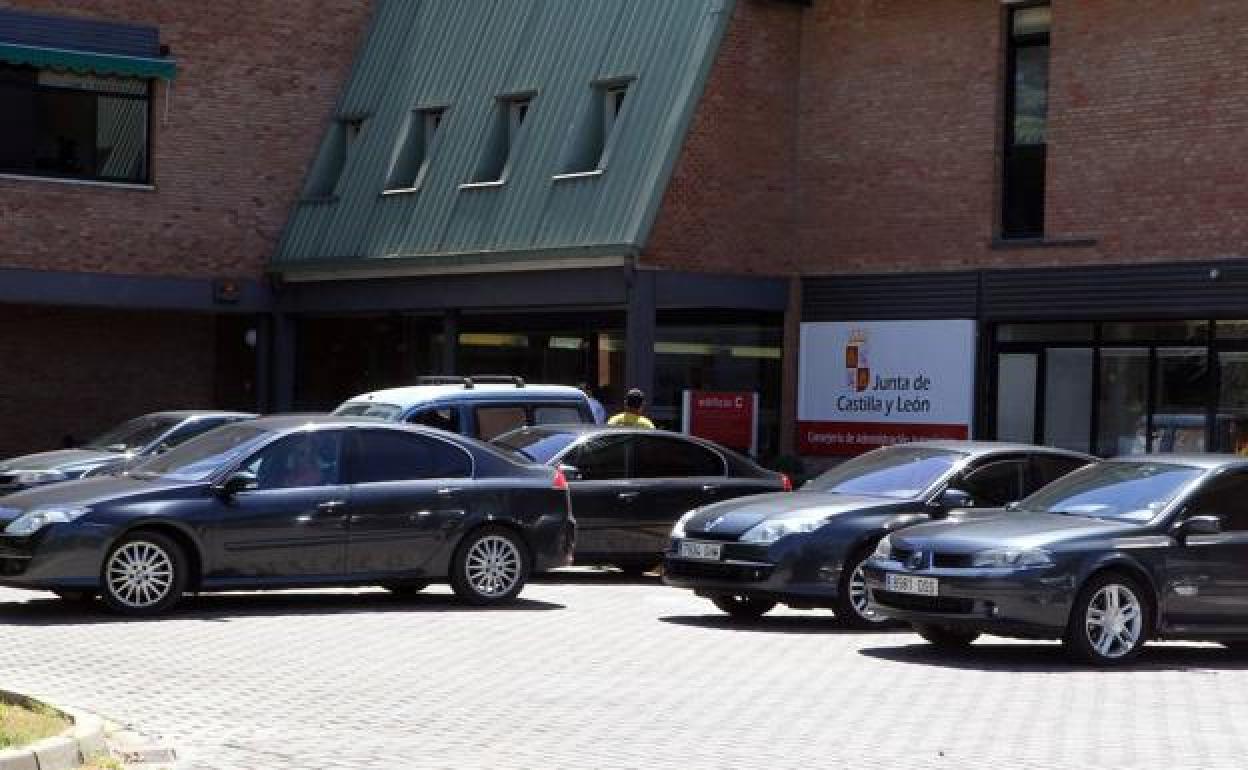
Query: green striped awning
(86,62)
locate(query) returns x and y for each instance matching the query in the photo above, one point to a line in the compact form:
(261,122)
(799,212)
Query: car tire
(743,607)
(1109,621)
(145,573)
(490,566)
(406,588)
(946,638)
(851,596)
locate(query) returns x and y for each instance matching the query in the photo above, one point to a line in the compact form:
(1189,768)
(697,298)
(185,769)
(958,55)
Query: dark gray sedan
(1104,559)
(125,445)
(806,549)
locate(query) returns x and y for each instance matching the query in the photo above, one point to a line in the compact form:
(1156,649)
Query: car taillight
(787,482)
(561,481)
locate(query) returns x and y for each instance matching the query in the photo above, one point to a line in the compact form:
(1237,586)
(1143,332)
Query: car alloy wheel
(853,601)
(490,567)
(1109,622)
(144,574)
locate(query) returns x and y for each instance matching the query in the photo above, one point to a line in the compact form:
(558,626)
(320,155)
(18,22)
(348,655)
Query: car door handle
(710,488)
(628,497)
(329,506)
(445,491)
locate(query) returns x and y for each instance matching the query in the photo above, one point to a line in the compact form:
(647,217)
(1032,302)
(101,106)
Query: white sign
(872,383)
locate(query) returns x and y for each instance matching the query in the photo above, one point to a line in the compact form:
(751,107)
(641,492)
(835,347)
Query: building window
(592,145)
(509,118)
(412,158)
(1027,107)
(61,124)
(344,135)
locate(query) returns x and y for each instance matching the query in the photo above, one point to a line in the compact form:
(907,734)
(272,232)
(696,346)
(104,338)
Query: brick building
(1049,192)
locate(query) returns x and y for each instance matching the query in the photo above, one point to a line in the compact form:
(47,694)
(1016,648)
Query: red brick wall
(78,372)
(900,115)
(730,204)
(256,82)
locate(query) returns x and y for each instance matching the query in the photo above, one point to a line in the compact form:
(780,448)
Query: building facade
(1016,220)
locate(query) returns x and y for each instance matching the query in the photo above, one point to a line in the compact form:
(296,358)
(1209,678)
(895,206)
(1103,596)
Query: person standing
(632,416)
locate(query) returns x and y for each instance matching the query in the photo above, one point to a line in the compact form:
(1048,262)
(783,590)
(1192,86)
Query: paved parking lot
(594,671)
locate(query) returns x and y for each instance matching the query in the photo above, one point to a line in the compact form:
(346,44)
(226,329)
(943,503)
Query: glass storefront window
(1123,405)
(1056,332)
(1016,397)
(1182,395)
(1068,398)
(1158,331)
(1231,330)
(1231,429)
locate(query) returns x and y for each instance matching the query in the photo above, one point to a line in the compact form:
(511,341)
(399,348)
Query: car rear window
(494,421)
(562,414)
(535,445)
(368,409)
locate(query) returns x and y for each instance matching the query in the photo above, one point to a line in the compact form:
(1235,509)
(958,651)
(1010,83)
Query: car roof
(183,414)
(415,395)
(980,448)
(1211,461)
(281,422)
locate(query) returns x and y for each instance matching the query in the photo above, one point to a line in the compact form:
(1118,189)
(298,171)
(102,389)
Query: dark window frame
(146,97)
(353,449)
(1014,154)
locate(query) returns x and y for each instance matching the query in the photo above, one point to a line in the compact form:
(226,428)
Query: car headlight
(1012,557)
(884,549)
(32,521)
(31,478)
(678,531)
(771,531)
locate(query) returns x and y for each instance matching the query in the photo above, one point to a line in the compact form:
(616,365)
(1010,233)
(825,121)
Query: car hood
(62,460)
(738,516)
(86,492)
(1013,529)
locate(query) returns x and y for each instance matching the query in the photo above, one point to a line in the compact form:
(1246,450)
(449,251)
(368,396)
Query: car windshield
(1135,491)
(368,409)
(901,472)
(535,445)
(133,434)
(201,457)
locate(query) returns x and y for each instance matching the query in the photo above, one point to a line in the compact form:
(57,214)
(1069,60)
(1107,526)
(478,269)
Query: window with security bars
(75,126)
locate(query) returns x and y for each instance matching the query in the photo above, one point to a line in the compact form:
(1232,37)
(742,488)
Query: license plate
(692,550)
(909,584)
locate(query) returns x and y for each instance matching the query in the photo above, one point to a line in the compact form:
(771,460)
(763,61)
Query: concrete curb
(82,741)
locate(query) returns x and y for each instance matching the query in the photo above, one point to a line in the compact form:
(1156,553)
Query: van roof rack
(473,381)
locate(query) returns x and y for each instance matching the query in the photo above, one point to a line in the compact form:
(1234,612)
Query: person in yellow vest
(632,417)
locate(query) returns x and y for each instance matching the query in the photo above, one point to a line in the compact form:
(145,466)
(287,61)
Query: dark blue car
(286,502)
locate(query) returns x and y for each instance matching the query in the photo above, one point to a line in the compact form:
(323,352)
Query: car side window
(310,459)
(388,455)
(1226,498)
(494,421)
(996,483)
(662,457)
(557,414)
(443,418)
(603,458)
(1045,469)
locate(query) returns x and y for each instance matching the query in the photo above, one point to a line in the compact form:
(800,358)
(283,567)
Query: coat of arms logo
(857,361)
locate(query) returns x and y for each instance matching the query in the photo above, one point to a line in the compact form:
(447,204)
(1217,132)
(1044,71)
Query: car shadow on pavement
(1051,658)
(594,577)
(782,624)
(225,607)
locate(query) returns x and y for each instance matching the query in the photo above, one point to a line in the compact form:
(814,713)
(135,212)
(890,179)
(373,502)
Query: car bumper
(755,571)
(1029,603)
(63,557)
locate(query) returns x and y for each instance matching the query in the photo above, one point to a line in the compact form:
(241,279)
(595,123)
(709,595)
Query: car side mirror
(571,472)
(1198,525)
(235,483)
(953,498)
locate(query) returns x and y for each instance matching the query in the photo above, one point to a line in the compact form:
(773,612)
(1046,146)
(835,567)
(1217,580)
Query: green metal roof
(462,55)
(88,62)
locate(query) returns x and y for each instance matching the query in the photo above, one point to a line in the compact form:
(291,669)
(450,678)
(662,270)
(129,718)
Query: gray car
(1104,559)
(115,450)
(806,549)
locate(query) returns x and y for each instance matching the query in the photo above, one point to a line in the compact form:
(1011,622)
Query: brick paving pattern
(592,671)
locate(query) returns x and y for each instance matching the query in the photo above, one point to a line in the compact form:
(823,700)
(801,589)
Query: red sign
(852,438)
(730,419)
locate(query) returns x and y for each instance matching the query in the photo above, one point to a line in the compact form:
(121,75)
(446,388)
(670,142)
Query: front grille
(943,604)
(714,570)
(954,560)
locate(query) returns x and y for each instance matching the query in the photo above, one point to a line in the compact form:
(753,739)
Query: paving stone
(590,671)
